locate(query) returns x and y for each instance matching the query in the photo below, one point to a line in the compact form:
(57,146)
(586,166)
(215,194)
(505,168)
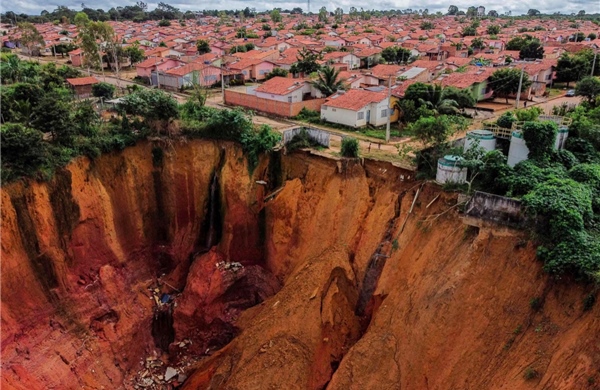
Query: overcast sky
(34,7)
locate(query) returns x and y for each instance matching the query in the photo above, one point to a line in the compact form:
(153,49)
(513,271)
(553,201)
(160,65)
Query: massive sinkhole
(306,273)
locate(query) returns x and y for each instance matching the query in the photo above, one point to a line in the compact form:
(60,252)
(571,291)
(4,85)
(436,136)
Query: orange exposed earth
(310,273)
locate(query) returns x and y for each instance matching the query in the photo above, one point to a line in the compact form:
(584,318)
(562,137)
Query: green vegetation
(328,81)
(232,125)
(396,55)
(530,373)
(276,72)
(560,189)
(203,46)
(103,90)
(44,127)
(349,147)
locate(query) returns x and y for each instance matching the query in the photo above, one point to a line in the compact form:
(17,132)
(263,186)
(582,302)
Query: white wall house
(286,90)
(356,108)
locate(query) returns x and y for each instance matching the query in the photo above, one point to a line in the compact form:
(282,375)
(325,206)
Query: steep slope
(320,278)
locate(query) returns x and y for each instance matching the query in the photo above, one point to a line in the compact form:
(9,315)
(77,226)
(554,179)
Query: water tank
(561,137)
(449,170)
(518,150)
(486,139)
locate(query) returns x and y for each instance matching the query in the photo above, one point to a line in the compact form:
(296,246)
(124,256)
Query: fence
(268,106)
(317,135)
(495,208)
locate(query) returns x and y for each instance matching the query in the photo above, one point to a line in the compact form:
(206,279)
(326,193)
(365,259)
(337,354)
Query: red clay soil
(332,284)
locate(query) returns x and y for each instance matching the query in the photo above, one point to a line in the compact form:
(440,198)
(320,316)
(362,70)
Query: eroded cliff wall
(353,290)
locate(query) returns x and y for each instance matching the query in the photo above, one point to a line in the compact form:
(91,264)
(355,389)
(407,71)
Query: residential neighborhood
(370,54)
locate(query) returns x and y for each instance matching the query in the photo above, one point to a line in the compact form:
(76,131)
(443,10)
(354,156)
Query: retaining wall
(495,208)
(268,106)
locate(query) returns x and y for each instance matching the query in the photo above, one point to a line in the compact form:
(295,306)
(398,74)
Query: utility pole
(520,84)
(594,63)
(387,127)
(222,84)
(157,75)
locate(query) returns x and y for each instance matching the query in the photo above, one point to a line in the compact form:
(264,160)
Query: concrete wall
(495,208)
(269,106)
(320,136)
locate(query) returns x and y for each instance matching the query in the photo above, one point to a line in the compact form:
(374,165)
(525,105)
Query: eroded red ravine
(119,273)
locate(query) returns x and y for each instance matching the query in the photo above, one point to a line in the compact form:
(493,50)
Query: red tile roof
(280,85)
(83,81)
(354,99)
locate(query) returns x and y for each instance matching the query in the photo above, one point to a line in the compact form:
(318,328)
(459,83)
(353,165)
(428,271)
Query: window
(324,108)
(210,78)
(384,113)
(289,99)
(333,109)
(361,115)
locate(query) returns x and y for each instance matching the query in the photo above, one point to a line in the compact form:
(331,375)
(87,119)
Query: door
(368,116)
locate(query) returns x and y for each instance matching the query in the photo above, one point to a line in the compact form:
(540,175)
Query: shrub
(255,143)
(103,90)
(535,303)
(23,151)
(350,147)
(528,114)
(300,141)
(530,373)
(539,138)
(506,120)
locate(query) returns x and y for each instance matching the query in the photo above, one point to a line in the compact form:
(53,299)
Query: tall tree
(452,10)
(276,16)
(30,37)
(323,14)
(588,87)
(203,46)
(571,68)
(505,82)
(533,49)
(493,29)
(307,62)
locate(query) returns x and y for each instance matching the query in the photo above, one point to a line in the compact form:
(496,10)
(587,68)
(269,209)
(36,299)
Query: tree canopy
(505,82)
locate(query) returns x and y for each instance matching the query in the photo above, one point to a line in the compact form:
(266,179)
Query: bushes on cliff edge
(349,147)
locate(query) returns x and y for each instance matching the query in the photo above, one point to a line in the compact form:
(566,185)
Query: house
(540,73)
(416,73)
(82,86)
(253,68)
(476,80)
(188,75)
(285,89)
(145,68)
(342,57)
(356,108)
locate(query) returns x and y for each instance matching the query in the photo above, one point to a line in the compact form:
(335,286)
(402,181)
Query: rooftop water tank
(449,170)
(518,150)
(486,140)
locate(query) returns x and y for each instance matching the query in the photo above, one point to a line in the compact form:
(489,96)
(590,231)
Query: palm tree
(328,81)
(435,99)
(11,69)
